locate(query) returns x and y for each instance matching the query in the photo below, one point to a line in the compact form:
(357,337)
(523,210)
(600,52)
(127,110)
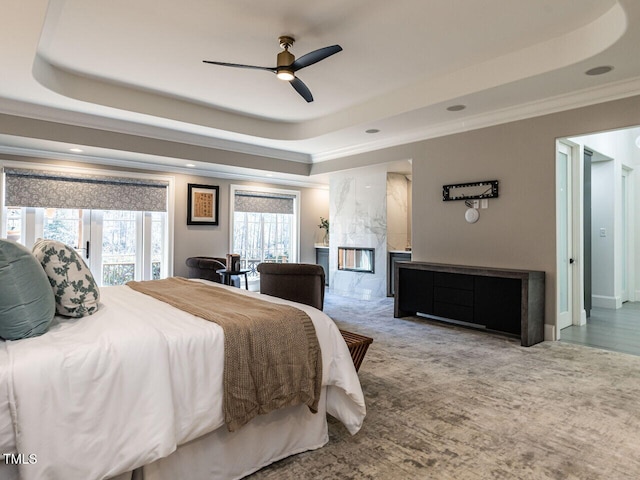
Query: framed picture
(202,204)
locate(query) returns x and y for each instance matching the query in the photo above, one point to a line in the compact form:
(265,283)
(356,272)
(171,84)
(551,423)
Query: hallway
(616,330)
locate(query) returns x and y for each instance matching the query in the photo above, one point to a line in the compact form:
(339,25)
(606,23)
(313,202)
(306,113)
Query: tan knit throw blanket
(271,352)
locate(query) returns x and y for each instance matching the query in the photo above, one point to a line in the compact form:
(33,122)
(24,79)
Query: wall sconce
(471,215)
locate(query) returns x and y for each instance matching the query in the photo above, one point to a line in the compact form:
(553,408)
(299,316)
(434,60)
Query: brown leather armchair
(299,282)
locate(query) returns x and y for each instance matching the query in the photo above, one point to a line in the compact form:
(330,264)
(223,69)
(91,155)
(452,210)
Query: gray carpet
(446,402)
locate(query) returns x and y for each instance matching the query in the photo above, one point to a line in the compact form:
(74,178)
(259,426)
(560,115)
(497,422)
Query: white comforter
(102,395)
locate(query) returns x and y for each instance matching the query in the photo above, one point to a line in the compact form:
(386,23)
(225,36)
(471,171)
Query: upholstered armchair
(205,268)
(299,282)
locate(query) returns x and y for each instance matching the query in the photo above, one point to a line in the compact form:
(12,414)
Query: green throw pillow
(26,300)
(74,287)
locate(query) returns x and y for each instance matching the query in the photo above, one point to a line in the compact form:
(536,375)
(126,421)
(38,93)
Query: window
(118,245)
(110,241)
(264,225)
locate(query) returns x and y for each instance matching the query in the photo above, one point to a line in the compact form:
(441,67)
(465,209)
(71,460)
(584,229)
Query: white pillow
(74,288)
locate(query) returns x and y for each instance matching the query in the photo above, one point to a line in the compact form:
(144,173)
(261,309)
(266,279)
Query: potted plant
(324,224)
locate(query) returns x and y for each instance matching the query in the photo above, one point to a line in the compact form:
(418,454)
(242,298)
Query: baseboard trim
(602,301)
(583,318)
(550,333)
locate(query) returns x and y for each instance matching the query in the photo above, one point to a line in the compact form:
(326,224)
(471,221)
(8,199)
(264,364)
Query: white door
(564,238)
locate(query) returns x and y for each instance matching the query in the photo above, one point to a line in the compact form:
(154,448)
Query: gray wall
(194,240)
(603,246)
(518,230)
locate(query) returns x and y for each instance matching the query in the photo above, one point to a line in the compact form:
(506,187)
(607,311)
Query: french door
(117,245)
(564,238)
(264,226)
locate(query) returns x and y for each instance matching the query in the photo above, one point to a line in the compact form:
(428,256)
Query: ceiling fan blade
(315,56)
(302,89)
(239,65)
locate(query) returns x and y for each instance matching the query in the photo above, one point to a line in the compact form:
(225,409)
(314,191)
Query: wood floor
(616,330)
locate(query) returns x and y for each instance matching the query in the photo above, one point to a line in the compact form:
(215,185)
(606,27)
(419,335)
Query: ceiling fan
(287,64)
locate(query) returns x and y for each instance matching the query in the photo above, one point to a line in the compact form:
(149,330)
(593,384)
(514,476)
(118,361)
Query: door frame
(576,211)
(627,232)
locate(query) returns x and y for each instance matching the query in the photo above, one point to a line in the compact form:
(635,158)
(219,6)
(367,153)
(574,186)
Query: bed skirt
(266,439)
(221,455)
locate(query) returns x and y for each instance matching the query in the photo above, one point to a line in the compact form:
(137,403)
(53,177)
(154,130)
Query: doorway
(602,215)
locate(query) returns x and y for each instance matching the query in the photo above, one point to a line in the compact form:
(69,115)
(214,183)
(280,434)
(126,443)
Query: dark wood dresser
(500,300)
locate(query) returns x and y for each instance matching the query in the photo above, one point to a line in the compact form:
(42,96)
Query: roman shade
(263,202)
(50,189)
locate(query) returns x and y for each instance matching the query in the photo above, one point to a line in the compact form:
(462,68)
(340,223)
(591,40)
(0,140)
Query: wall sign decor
(472,190)
(202,204)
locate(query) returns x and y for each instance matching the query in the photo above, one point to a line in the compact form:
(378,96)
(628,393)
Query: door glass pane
(277,237)
(247,239)
(157,244)
(63,225)
(15,226)
(624,236)
(563,231)
(262,237)
(118,247)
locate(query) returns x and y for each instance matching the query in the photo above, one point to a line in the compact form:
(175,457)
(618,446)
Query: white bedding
(103,395)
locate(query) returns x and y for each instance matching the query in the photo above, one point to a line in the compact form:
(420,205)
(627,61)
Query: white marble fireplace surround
(358,215)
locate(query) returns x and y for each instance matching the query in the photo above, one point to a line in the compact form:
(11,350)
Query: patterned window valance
(263,202)
(48,189)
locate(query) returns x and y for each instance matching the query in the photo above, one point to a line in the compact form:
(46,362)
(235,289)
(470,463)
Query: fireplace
(356,259)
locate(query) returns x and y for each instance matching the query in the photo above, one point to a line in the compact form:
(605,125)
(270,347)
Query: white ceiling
(136,67)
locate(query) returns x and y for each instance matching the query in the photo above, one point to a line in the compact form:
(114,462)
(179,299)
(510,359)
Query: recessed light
(269,175)
(76,150)
(638,142)
(599,70)
(367,186)
(372,130)
(456,108)
(190,165)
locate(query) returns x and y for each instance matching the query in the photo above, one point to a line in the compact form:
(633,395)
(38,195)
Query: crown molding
(175,132)
(559,103)
(582,98)
(214,172)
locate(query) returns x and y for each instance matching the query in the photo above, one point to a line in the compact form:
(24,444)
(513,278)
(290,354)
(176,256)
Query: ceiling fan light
(285,75)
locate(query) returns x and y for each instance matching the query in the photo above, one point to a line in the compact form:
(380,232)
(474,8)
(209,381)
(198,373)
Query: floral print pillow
(74,288)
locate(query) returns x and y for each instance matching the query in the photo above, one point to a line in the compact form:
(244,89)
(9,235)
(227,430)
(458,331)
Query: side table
(228,274)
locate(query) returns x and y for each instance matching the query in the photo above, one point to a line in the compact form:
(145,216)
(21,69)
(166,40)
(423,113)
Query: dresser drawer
(453,280)
(456,296)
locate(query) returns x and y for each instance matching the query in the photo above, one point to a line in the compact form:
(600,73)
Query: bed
(134,391)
